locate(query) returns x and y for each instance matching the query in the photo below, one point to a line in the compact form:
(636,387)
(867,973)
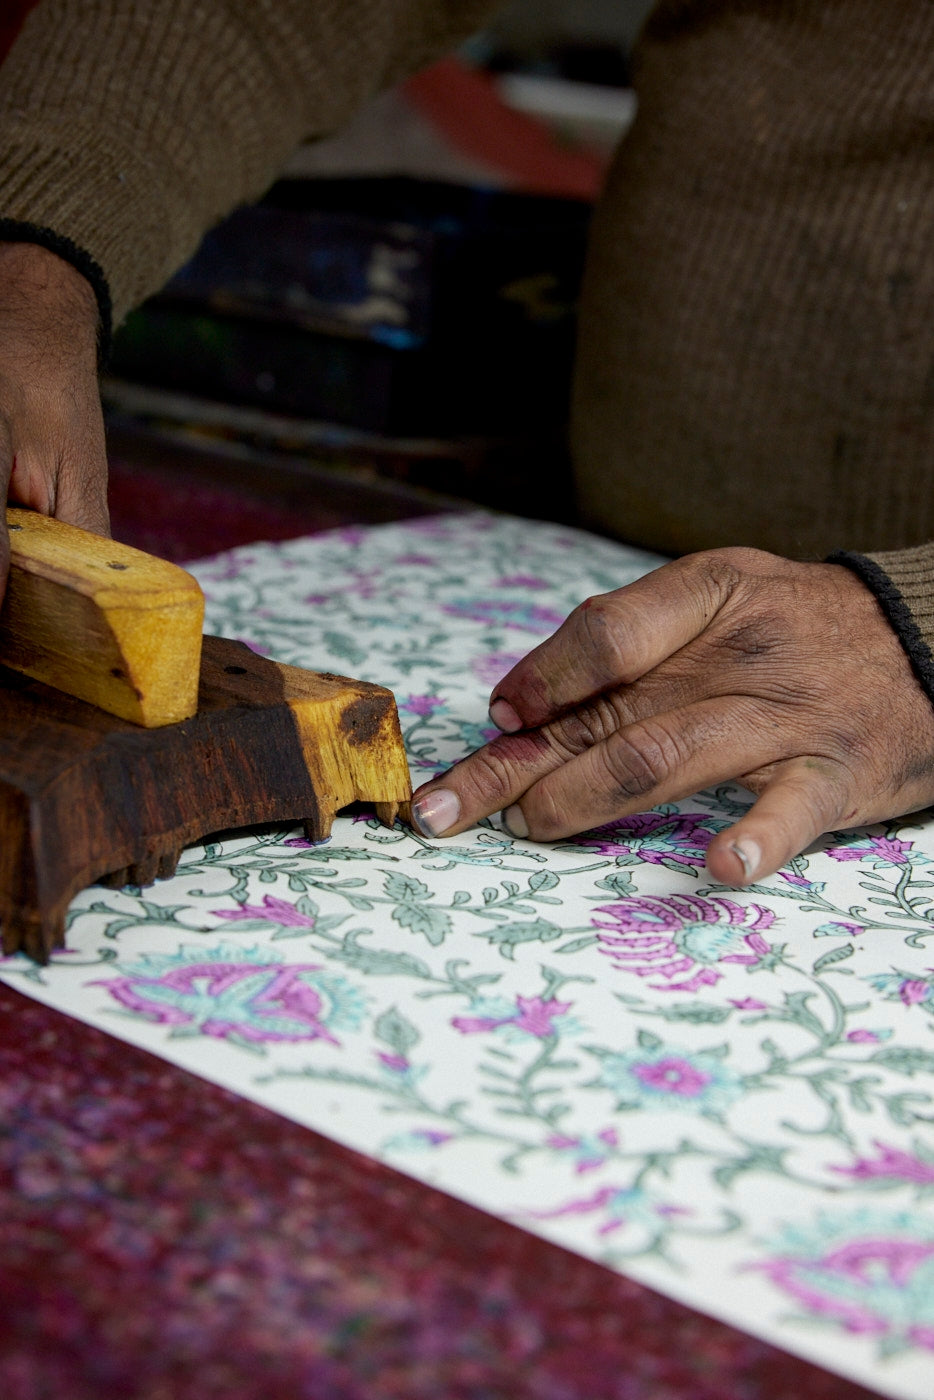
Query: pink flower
(491,668)
(658,838)
(398,1063)
(674,1075)
(682,939)
(891,1163)
(536,1016)
(748,1004)
(868,1277)
(501,612)
(244,1001)
(839,928)
(521,581)
(532,1015)
(860,1037)
(619,1207)
(276,911)
(590,1152)
(879,850)
(914,991)
(422,704)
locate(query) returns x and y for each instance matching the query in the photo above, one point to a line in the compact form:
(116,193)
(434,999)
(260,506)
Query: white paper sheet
(728,1096)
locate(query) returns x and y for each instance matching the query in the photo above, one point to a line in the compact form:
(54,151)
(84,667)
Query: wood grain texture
(99,620)
(85,795)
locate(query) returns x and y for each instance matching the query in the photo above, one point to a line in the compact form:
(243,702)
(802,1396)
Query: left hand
(730,664)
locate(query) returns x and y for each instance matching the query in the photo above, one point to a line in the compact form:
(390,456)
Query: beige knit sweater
(756,362)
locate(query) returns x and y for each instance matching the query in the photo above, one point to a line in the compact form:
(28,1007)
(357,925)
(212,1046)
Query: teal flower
(871,1272)
(243,995)
(664,1077)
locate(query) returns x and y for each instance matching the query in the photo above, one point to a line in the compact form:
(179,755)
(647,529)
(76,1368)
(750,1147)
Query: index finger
(613,639)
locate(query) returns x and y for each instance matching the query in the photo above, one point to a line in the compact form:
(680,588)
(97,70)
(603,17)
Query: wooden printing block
(87,795)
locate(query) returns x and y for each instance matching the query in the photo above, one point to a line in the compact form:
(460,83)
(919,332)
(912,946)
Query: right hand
(52,453)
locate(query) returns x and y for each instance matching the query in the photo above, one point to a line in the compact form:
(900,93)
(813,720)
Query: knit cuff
(19,231)
(902,582)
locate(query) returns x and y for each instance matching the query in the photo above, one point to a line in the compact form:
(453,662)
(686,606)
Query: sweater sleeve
(902,581)
(129,128)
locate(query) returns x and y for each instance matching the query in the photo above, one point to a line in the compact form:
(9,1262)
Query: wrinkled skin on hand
(730,664)
(52,455)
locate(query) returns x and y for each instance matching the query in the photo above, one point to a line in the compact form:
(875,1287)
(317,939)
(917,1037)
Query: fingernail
(515,823)
(504,716)
(436,812)
(749,856)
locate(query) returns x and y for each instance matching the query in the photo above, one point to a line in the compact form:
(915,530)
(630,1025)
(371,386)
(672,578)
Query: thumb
(804,798)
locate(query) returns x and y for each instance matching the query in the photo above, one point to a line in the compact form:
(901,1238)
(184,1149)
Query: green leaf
(406,887)
(508,936)
(326,922)
(677,866)
(620,883)
(422,918)
(381,962)
(339,644)
(905,1059)
(543,880)
(327,852)
(859,1095)
(835,955)
(396,1031)
(901,1112)
(698,1013)
(461,897)
(576,944)
(648,1041)
(267,877)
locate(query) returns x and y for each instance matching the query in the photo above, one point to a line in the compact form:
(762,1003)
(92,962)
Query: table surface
(162,1237)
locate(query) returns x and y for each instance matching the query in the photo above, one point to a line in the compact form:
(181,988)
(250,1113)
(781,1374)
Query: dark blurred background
(391,329)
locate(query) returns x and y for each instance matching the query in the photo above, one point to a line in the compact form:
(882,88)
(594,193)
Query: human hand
(730,664)
(52,454)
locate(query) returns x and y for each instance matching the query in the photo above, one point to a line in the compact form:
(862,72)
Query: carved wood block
(86,795)
(97,619)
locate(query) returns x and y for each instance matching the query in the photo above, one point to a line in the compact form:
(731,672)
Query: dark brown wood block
(85,796)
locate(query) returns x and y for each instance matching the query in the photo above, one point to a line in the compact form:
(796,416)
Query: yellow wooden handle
(101,621)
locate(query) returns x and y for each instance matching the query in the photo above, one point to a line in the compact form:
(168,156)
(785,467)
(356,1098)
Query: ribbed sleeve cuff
(19,231)
(902,582)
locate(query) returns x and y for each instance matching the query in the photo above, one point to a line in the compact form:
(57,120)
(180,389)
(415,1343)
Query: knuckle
(730,566)
(496,771)
(604,631)
(586,726)
(639,759)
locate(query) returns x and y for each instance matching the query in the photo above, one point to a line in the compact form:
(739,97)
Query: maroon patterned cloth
(161,1238)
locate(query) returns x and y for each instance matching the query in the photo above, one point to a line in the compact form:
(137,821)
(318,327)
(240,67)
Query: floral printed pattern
(237,994)
(728,1095)
(871,1273)
(681,938)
